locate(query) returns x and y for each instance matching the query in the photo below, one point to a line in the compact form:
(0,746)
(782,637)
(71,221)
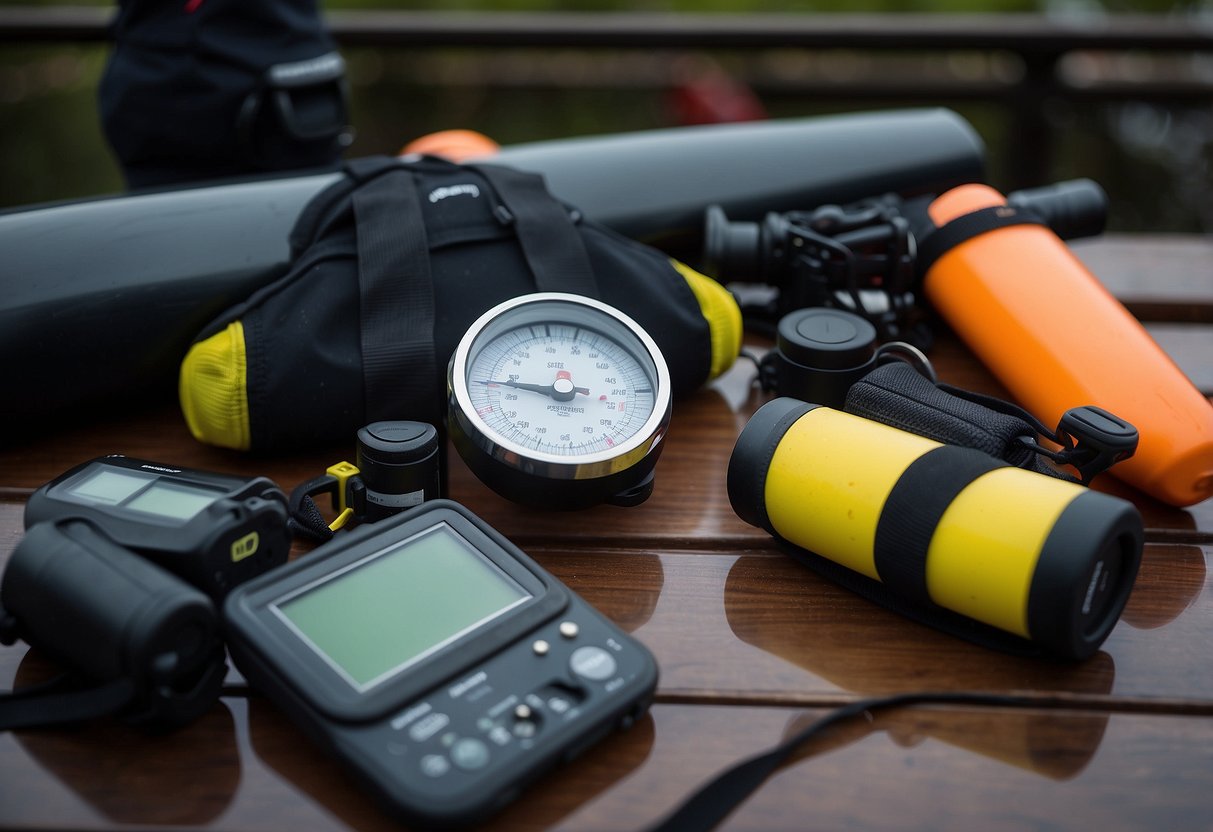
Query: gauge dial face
(560,389)
(562,379)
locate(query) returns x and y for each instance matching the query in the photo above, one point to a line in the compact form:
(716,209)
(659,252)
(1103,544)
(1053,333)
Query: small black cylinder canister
(400,466)
(820,352)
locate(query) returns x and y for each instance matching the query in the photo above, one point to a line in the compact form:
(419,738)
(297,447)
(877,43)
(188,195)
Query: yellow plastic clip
(341,472)
(342,519)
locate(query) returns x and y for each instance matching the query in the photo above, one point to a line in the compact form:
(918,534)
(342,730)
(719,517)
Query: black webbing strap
(45,705)
(396,297)
(946,237)
(898,395)
(318,213)
(303,515)
(328,206)
(912,510)
(550,241)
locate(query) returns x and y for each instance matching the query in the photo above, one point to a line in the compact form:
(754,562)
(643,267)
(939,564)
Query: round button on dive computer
(559,401)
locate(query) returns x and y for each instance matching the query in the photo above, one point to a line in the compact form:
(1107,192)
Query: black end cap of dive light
(1085,574)
(751,459)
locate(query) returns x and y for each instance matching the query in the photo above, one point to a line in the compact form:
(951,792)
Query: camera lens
(1074,209)
(732,250)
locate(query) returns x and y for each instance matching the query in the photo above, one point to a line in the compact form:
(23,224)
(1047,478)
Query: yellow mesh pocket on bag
(721,312)
(213,391)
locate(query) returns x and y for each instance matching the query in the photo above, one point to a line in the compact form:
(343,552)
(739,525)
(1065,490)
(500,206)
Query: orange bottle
(1056,338)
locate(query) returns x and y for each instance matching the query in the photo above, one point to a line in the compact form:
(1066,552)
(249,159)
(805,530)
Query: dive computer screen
(386,612)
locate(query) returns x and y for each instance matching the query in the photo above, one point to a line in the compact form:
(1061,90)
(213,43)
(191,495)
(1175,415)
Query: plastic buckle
(1094,440)
(310,98)
(325,71)
(336,482)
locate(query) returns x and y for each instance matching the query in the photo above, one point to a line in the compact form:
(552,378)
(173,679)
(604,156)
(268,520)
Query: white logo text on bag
(454,190)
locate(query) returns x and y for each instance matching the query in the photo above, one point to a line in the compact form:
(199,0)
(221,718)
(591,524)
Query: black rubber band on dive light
(751,459)
(948,236)
(912,511)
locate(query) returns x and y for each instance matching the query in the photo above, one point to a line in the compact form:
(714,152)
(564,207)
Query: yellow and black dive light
(941,525)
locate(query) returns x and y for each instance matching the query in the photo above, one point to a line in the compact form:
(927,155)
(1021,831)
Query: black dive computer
(435,660)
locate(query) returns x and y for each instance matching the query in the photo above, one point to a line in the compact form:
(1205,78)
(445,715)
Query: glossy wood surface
(752,646)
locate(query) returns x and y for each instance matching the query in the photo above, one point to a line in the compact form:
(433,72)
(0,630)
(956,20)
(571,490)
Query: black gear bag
(390,265)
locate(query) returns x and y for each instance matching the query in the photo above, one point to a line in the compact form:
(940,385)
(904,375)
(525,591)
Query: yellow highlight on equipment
(245,547)
(826,497)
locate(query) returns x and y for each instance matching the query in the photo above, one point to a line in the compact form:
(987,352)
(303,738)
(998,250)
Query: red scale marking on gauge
(484,410)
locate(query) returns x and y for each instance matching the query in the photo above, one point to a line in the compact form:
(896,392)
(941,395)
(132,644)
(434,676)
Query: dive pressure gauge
(559,401)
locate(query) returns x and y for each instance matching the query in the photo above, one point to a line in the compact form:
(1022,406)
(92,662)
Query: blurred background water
(1153,154)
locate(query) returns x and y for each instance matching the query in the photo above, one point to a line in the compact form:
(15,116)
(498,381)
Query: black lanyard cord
(708,806)
(46,705)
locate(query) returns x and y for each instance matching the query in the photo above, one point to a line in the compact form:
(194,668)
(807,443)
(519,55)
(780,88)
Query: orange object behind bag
(1056,338)
(455,145)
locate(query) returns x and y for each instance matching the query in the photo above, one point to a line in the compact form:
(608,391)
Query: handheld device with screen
(437,661)
(214,530)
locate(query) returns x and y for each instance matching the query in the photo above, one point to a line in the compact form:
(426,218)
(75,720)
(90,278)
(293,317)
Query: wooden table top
(751,645)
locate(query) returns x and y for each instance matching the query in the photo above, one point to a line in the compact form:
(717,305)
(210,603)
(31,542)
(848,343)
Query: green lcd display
(395,607)
(110,486)
(146,493)
(178,501)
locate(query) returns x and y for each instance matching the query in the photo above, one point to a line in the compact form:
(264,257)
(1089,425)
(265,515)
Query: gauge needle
(562,389)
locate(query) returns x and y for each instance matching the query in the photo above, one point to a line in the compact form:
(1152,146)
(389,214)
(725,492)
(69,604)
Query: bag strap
(546,230)
(396,297)
(329,204)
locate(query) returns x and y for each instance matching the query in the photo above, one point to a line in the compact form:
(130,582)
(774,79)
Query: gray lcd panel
(397,606)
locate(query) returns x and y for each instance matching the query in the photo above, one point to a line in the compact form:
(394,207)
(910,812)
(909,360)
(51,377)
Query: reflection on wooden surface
(921,768)
(112,769)
(1054,744)
(752,646)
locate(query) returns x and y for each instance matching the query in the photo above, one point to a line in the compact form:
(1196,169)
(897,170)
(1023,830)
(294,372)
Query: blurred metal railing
(1037,58)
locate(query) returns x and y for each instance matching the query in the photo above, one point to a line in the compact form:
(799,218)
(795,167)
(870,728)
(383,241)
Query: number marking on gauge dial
(559,389)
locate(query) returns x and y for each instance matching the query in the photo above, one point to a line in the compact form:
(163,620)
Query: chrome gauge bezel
(588,313)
